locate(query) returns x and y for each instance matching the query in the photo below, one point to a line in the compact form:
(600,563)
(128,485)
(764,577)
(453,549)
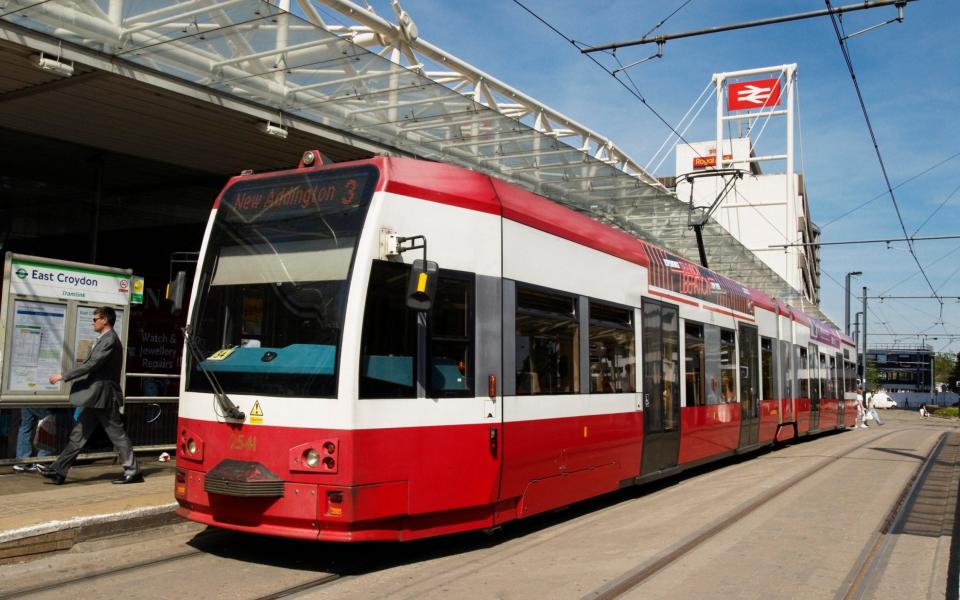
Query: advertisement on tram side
(671,272)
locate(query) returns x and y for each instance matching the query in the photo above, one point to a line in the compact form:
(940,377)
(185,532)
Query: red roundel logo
(123,284)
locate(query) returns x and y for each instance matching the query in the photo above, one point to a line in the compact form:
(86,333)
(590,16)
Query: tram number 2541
(240,442)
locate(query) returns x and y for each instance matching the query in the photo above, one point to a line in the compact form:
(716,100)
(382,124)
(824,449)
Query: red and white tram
(561,359)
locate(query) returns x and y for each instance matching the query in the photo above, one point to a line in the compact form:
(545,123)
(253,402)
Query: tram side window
(547,342)
(728,365)
(768,372)
(451,338)
(388,355)
(787,373)
(389,341)
(833,378)
(612,349)
(823,375)
(803,384)
(815,374)
(694,373)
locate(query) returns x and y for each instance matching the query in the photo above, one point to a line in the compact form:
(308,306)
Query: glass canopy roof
(254,50)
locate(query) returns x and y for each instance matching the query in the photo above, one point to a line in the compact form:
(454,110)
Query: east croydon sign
(46,323)
(33,278)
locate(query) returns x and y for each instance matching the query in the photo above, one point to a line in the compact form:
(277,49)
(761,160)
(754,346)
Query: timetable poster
(36,350)
(86,336)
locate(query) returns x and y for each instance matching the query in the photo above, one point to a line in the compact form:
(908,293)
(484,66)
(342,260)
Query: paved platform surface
(37,516)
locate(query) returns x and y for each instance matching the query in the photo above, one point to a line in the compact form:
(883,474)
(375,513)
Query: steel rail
(631,579)
(147,563)
(880,546)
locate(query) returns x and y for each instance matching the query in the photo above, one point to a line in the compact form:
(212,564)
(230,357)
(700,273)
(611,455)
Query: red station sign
(759,93)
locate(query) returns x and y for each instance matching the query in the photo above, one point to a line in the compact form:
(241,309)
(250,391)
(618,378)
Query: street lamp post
(856,343)
(846,301)
(864,322)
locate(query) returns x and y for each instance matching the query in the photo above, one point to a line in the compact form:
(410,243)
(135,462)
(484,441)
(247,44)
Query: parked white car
(882,400)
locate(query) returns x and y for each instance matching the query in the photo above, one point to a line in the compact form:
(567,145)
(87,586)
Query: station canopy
(376,82)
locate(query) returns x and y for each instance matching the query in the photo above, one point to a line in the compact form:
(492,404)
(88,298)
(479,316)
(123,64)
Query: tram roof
(449,184)
(435,106)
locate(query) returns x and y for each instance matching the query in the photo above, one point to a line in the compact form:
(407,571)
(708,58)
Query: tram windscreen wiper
(230,409)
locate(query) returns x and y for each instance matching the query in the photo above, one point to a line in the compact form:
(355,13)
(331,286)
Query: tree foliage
(944,366)
(955,377)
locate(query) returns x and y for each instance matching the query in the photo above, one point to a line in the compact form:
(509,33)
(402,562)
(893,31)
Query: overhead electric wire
(876,147)
(949,253)
(667,18)
(949,277)
(702,103)
(874,241)
(937,209)
(869,307)
(882,194)
(634,93)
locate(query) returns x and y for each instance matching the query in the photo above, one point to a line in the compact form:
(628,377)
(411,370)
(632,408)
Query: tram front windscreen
(271,294)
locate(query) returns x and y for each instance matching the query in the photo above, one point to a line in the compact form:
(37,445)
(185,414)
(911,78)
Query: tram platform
(37,516)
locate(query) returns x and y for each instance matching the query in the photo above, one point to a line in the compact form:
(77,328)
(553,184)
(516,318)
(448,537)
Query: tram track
(635,577)
(863,575)
(207,539)
(529,540)
(80,579)
(331,575)
(153,562)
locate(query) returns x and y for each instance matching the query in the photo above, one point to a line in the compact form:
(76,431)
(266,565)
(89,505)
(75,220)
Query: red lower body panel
(709,430)
(803,415)
(769,419)
(410,483)
(850,413)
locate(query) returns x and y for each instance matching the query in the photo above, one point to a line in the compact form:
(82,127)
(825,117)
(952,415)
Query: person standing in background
(29,419)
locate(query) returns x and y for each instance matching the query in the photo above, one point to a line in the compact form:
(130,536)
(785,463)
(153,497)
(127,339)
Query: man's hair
(107,313)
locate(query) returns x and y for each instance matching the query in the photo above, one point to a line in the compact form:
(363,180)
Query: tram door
(815,377)
(749,387)
(661,387)
(839,387)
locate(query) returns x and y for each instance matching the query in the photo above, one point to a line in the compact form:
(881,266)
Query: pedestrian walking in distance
(861,413)
(96,391)
(872,410)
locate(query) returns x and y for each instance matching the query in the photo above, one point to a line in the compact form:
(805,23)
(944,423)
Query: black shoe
(135,478)
(50,474)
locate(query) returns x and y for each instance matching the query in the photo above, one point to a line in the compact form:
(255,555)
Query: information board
(46,323)
(85,337)
(36,351)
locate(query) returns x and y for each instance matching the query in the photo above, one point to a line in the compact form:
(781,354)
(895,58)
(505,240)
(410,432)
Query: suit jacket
(96,382)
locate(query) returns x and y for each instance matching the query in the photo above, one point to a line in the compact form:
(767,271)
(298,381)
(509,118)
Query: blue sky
(909,75)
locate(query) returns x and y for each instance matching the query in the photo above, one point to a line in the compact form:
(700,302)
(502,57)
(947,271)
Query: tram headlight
(190,445)
(315,456)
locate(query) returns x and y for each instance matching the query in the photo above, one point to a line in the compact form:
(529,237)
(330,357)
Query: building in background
(765,210)
(903,367)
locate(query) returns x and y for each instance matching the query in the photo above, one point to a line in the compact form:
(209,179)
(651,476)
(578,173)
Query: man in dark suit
(96,390)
